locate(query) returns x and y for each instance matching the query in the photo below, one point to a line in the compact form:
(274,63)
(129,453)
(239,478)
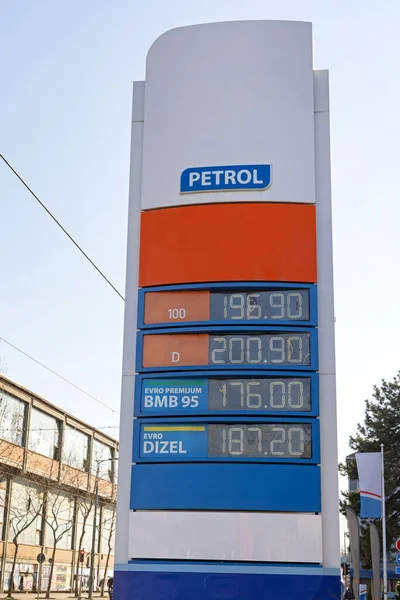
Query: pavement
(54,596)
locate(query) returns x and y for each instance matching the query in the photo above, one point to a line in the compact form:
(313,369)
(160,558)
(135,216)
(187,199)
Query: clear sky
(66,80)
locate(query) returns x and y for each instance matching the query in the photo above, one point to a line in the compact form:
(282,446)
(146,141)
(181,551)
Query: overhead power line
(59,376)
(60,226)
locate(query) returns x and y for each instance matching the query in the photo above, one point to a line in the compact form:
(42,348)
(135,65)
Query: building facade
(50,466)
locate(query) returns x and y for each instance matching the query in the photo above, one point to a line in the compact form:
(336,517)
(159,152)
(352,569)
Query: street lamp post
(96,503)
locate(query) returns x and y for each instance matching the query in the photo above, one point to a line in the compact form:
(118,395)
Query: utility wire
(58,375)
(60,226)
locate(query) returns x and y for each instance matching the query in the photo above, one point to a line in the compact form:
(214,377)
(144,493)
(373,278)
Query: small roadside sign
(397,570)
(398,559)
(41,558)
(398,545)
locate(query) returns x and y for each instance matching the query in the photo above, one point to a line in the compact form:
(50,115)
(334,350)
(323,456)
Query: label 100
(176,313)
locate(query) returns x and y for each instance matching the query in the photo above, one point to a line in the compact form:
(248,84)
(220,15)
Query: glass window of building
(101,461)
(3,497)
(116,466)
(107,530)
(44,434)
(59,519)
(26,508)
(12,419)
(75,451)
(84,529)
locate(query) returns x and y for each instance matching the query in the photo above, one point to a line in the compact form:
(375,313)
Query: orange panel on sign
(176,307)
(175,350)
(228,242)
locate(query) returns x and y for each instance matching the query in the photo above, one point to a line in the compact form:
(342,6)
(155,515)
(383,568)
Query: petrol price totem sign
(228,458)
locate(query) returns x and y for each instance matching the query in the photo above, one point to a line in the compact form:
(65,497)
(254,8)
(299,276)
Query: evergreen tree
(381,426)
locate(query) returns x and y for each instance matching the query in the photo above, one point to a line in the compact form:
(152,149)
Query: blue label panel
(173,441)
(174,581)
(226,486)
(160,396)
(235,393)
(225,178)
(264,440)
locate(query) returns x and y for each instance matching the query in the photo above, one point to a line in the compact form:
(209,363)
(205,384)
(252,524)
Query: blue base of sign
(211,582)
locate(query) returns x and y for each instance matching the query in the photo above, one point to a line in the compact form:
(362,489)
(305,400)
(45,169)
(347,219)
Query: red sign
(398,544)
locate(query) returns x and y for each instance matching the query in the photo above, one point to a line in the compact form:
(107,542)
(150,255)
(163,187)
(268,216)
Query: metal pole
(384,543)
(40,576)
(80,585)
(91,578)
(347,554)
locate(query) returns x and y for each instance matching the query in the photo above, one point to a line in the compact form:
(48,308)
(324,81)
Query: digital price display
(268,349)
(292,394)
(263,441)
(288,305)
(274,349)
(224,394)
(286,440)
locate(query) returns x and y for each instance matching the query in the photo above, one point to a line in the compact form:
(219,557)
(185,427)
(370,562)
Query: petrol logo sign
(234,178)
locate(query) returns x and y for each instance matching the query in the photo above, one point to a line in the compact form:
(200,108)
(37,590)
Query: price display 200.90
(194,347)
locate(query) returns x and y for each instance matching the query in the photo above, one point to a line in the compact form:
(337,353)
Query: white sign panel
(239,105)
(227,536)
